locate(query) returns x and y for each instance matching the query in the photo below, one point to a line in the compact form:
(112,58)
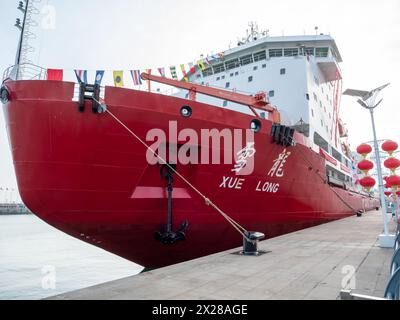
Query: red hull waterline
(86,175)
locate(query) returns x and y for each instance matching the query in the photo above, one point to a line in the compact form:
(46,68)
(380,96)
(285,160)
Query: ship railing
(392,291)
(167,92)
(24,71)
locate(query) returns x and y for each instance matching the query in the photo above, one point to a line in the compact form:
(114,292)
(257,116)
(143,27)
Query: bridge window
(225,103)
(264,66)
(219,68)
(250,79)
(255,68)
(291,52)
(261,55)
(271,93)
(227,84)
(309,51)
(231,64)
(336,154)
(207,72)
(321,142)
(333,173)
(283,71)
(321,52)
(275,53)
(246,59)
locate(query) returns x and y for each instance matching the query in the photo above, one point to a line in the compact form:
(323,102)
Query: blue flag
(81,74)
(99,76)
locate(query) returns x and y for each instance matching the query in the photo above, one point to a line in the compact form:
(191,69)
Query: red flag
(192,68)
(54,74)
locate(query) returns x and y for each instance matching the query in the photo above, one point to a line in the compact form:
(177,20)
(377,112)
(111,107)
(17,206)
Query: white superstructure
(302,78)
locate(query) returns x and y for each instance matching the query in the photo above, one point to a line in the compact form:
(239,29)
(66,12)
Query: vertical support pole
(169,189)
(380,178)
(192,94)
(18,56)
(148,81)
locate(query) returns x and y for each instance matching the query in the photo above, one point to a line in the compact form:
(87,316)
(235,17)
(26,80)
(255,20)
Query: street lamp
(367,99)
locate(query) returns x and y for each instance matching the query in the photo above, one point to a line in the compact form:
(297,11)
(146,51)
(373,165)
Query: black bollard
(250,247)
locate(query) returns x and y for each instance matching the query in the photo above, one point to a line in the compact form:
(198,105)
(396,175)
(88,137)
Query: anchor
(166,235)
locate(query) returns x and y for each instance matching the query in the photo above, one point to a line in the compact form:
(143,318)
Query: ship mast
(21,28)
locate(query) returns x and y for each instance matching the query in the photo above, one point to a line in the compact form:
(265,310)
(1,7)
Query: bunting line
(187,70)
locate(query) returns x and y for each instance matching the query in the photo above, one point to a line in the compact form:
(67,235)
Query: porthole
(4,95)
(186,111)
(255,125)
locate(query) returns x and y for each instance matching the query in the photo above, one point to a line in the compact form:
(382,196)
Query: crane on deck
(258,101)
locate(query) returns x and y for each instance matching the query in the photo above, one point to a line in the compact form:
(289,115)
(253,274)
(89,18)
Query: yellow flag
(118,78)
(184,73)
(201,65)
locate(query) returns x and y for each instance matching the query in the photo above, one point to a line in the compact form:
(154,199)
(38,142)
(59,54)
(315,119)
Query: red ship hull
(87,176)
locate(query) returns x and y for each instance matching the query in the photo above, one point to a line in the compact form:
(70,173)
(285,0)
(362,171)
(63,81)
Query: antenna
(316,30)
(24,48)
(253,33)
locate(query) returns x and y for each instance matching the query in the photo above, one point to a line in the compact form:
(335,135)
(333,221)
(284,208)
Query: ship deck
(309,264)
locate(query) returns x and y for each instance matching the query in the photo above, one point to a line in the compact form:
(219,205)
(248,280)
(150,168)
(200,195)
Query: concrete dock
(314,263)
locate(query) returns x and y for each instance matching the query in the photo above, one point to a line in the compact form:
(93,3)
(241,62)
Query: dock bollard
(250,248)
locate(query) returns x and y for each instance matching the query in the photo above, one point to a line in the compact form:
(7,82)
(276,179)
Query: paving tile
(310,264)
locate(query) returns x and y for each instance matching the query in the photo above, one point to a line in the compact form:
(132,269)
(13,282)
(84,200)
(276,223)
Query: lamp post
(367,100)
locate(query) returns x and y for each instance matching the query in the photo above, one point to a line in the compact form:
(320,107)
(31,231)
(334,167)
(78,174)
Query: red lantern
(367,182)
(388,193)
(390,146)
(392,164)
(387,184)
(365,166)
(364,149)
(393,181)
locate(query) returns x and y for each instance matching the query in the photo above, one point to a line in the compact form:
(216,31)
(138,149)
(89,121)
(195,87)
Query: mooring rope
(208,202)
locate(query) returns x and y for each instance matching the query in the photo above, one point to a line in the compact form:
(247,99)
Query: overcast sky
(129,34)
